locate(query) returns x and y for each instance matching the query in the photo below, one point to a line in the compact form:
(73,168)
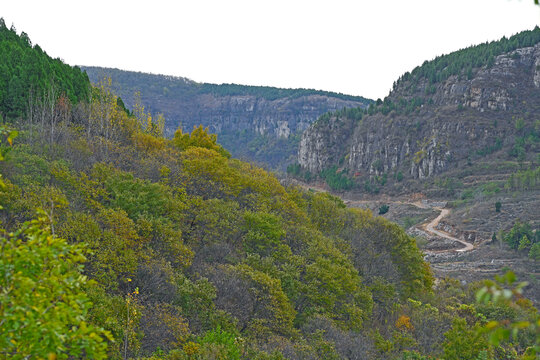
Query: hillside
(462,129)
(257,123)
(27,73)
(195,255)
(455,114)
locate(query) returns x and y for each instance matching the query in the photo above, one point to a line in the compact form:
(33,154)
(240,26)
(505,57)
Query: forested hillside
(258,123)
(27,72)
(120,243)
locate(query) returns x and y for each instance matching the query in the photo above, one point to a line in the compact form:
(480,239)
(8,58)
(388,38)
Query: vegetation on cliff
(463,62)
(179,87)
(436,124)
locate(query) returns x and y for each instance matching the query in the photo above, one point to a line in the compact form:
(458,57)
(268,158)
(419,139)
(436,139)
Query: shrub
(39,272)
(383,209)
(534,253)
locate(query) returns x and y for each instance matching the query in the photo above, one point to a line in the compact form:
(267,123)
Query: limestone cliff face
(262,124)
(278,118)
(324,143)
(459,118)
(490,87)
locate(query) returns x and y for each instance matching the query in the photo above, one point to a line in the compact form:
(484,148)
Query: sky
(355,47)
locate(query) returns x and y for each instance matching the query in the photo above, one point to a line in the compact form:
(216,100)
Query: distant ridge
(256,123)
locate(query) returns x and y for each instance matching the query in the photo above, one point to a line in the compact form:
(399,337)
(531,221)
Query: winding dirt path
(431,228)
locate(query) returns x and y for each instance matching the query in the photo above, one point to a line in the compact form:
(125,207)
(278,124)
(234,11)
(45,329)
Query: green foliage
(490,149)
(462,342)
(219,344)
(534,252)
(490,188)
(135,196)
(402,106)
(199,137)
(505,294)
(498,206)
(383,209)
(264,233)
(522,237)
(524,180)
(296,171)
(463,61)
(276,310)
(6,135)
(43,306)
(408,355)
(355,114)
(26,68)
(270,93)
(337,180)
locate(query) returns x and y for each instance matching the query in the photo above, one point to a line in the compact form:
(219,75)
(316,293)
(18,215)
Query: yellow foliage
(147,142)
(404,323)
(199,137)
(191,348)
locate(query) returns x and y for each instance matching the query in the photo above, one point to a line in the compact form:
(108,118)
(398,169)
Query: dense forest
(463,62)
(27,72)
(119,243)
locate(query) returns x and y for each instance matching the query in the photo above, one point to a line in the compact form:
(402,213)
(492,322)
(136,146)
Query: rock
(461,118)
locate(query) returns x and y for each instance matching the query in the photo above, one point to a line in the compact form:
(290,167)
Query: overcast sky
(356,47)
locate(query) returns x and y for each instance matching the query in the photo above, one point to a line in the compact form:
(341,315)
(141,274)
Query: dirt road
(427,227)
(431,228)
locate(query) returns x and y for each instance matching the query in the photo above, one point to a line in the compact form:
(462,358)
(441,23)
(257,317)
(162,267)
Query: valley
(458,249)
(124,234)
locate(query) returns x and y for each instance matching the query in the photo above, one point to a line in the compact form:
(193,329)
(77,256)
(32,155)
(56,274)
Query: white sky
(352,46)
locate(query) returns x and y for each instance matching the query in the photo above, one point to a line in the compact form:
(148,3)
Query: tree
(498,206)
(199,137)
(383,209)
(505,292)
(464,341)
(42,305)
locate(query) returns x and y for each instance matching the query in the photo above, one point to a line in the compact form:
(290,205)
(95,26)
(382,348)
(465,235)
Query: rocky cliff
(424,128)
(263,124)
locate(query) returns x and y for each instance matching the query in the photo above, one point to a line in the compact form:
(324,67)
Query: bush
(336,180)
(383,209)
(498,206)
(43,306)
(534,253)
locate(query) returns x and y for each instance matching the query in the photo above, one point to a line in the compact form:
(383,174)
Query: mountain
(474,111)
(258,123)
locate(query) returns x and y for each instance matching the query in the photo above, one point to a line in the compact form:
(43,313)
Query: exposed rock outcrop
(453,120)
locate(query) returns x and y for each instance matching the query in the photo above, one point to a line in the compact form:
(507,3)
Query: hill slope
(27,69)
(253,122)
(477,106)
